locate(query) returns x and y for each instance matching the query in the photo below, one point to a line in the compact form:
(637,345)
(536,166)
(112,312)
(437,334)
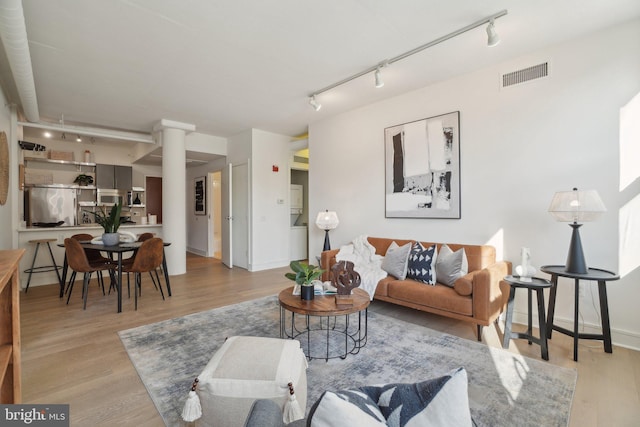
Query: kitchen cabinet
(114,177)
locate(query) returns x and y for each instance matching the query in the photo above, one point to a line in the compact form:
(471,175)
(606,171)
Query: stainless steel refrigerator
(50,206)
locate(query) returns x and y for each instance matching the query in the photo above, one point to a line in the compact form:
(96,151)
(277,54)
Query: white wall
(270,214)
(6,210)
(518,146)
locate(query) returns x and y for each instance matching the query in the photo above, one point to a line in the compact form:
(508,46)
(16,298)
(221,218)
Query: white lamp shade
(327,220)
(577,206)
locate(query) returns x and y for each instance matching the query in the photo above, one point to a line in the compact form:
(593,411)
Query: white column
(174,220)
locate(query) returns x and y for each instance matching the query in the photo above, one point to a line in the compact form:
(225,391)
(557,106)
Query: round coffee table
(328,322)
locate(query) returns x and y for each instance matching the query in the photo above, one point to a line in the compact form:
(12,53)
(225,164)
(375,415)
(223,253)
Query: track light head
(312,101)
(492,37)
(78,139)
(63,136)
(378,76)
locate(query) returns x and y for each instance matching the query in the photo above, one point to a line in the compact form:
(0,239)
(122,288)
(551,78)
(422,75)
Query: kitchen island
(25,234)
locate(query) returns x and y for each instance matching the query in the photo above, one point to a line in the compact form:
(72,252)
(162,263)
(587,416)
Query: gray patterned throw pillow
(440,401)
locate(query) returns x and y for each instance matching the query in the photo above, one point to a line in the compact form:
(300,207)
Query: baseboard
(620,337)
(197,251)
(268,265)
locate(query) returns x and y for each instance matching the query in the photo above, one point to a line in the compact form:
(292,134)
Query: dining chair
(147,259)
(94,257)
(145,236)
(78,262)
(129,261)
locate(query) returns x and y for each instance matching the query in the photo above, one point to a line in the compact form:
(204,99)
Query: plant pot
(306,293)
(111,239)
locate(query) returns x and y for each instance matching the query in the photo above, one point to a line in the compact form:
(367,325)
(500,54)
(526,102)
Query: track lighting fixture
(63,136)
(316,106)
(493,40)
(78,139)
(379,82)
(492,37)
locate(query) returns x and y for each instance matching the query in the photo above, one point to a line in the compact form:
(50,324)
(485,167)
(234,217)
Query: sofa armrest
(488,298)
(327,259)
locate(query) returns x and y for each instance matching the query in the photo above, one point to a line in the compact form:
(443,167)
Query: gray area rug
(505,389)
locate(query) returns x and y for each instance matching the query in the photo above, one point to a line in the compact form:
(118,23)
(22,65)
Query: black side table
(534,284)
(602,276)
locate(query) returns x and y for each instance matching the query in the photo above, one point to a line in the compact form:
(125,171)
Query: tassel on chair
(292,410)
(192,409)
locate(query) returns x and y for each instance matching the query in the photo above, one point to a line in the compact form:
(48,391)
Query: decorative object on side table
(110,223)
(327,220)
(304,275)
(83,180)
(344,278)
(573,206)
(525,271)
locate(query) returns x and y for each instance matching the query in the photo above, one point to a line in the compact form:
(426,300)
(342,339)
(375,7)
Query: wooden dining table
(118,249)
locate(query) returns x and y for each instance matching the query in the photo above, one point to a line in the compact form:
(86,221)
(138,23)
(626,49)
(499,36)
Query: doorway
(215,215)
(153,186)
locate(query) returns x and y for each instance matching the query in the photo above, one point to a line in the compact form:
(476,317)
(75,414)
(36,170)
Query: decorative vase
(111,239)
(306,292)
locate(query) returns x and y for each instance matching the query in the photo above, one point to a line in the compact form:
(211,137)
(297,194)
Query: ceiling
(228,66)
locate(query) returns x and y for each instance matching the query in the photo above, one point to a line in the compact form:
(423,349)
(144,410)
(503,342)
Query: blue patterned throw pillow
(442,401)
(422,263)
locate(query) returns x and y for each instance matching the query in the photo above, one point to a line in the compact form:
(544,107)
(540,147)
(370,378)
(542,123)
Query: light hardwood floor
(74,356)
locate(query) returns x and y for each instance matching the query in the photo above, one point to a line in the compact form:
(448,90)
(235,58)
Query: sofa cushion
(422,263)
(440,401)
(450,265)
(395,260)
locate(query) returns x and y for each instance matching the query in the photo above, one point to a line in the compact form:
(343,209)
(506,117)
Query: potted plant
(83,179)
(304,274)
(110,223)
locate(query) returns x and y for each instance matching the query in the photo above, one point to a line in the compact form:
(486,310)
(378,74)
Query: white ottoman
(245,369)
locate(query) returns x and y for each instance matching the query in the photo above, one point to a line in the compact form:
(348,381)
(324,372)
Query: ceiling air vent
(525,75)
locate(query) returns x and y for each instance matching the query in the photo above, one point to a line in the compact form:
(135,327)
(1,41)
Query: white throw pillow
(395,260)
(450,266)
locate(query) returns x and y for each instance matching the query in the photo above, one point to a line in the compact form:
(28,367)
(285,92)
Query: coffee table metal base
(335,330)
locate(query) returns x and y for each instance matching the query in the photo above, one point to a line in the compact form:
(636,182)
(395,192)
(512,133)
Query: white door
(240,223)
(227,216)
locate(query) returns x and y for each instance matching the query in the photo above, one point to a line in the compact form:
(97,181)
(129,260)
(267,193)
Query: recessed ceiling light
(47,134)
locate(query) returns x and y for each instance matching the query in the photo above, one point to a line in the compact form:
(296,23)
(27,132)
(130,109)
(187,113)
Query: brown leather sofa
(476,297)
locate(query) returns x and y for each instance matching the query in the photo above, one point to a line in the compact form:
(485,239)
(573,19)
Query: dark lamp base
(575,259)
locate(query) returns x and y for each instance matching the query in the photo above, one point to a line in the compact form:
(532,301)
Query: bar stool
(42,268)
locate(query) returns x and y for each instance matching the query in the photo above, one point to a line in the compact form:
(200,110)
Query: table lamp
(574,206)
(327,220)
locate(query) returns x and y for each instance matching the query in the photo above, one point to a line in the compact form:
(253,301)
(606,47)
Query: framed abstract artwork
(422,168)
(200,196)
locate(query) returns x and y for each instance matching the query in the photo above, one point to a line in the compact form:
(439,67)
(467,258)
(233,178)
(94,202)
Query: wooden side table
(533,284)
(325,307)
(601,276)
